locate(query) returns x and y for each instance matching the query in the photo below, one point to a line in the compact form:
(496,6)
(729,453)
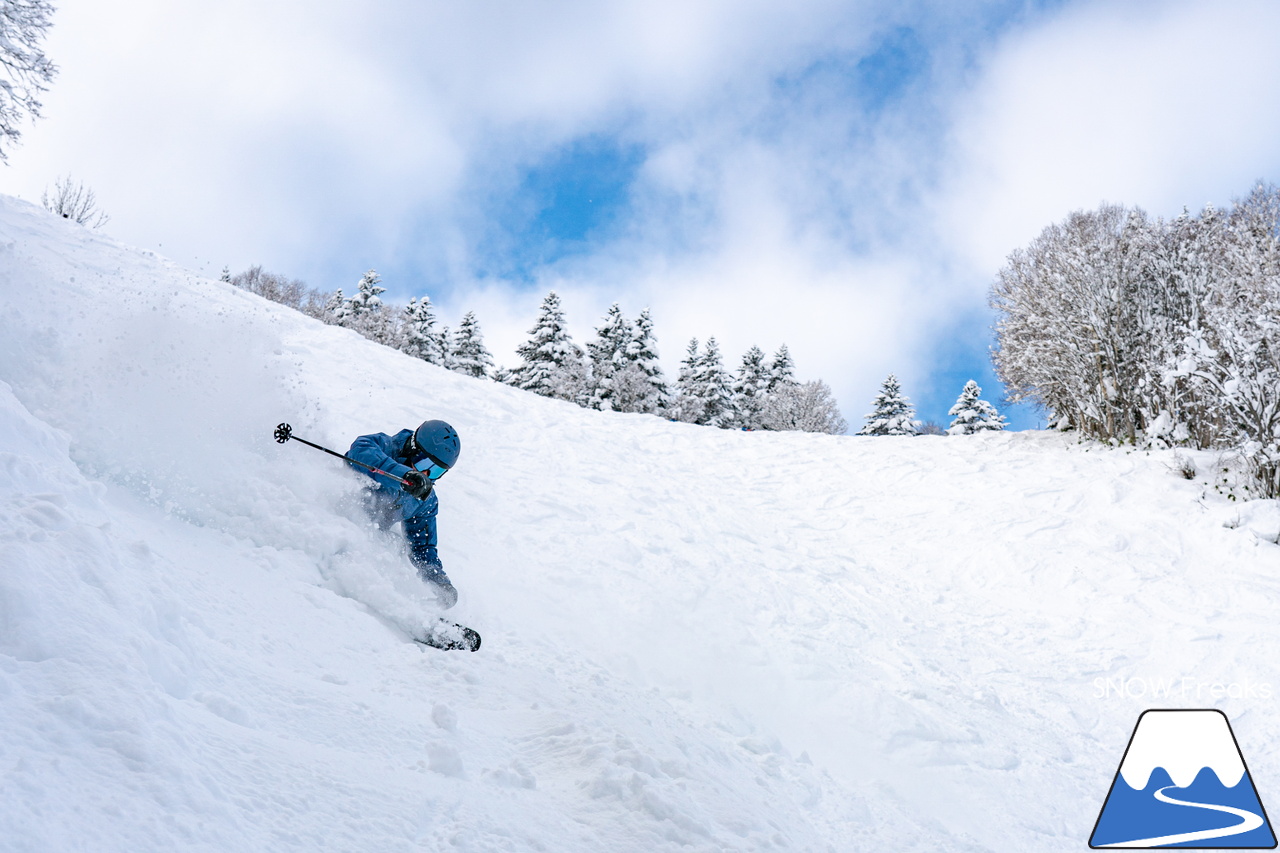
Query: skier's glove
(417,485)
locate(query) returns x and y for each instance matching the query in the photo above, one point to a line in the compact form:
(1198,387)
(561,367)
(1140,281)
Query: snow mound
(1261,518)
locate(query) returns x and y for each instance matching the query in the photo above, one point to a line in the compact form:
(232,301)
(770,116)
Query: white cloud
(1159,105)
(315,136)
(266,126)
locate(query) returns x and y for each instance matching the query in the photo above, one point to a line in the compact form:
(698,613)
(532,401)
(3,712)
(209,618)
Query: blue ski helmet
(438,441)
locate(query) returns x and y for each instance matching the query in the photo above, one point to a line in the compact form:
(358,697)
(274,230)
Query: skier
(420,457)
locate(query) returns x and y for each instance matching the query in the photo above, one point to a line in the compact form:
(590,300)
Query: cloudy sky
(843,176)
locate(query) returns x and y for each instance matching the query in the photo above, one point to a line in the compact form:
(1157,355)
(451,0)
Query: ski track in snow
(693,639)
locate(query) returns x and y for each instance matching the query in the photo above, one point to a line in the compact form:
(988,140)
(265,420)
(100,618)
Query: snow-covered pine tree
(335,309)
(609,358)
(626,376)
(639,387)
(418,334)
(445,341)
(553,364)
(469,354)
(27,71)
(712,385)
(368,296)
(366,313)
(973,414)
(750,389)
(782,371)
(893,414)
(688,404)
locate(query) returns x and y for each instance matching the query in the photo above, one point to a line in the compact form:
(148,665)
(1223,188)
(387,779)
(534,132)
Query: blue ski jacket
(419,516)
(382,451)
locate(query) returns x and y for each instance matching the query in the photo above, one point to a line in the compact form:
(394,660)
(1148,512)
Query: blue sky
(577,195)
(843,177)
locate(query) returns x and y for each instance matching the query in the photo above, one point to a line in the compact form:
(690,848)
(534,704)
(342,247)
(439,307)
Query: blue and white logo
(1183,783)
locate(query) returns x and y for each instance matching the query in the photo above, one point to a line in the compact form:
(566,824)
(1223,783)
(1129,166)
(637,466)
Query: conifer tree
(445,342)
(419,336)
(469,354)
(688,403)
(647,390)
(893,413)
(367,298)
(553,365)
(782,370)
(750,389)
(609,358)
(366,313)
(711,384)
(704,395)
(335,309)
(973,414)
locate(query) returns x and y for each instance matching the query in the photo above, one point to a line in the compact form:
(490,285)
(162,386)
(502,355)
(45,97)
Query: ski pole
(284,432)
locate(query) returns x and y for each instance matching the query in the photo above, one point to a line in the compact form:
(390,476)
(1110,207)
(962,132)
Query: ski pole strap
(284,433)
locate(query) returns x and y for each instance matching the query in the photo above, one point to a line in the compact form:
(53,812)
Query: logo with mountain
(1183,783)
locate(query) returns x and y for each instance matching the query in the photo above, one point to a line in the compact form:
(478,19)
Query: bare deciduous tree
(1130,329)
(25,71)
(73,200)
(808,407)
(278,288)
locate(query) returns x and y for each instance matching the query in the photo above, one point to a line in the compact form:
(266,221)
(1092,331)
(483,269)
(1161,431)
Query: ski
(450,636)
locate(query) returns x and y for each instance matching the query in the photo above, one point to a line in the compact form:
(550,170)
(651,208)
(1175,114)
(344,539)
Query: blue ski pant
(418,518)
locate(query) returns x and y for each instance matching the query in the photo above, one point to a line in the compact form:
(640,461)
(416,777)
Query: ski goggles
(430,468)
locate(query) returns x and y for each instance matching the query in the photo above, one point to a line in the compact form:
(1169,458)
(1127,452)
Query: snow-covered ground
(694,639)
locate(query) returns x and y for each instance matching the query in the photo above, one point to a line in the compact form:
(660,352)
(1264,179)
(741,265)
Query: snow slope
(694,639)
